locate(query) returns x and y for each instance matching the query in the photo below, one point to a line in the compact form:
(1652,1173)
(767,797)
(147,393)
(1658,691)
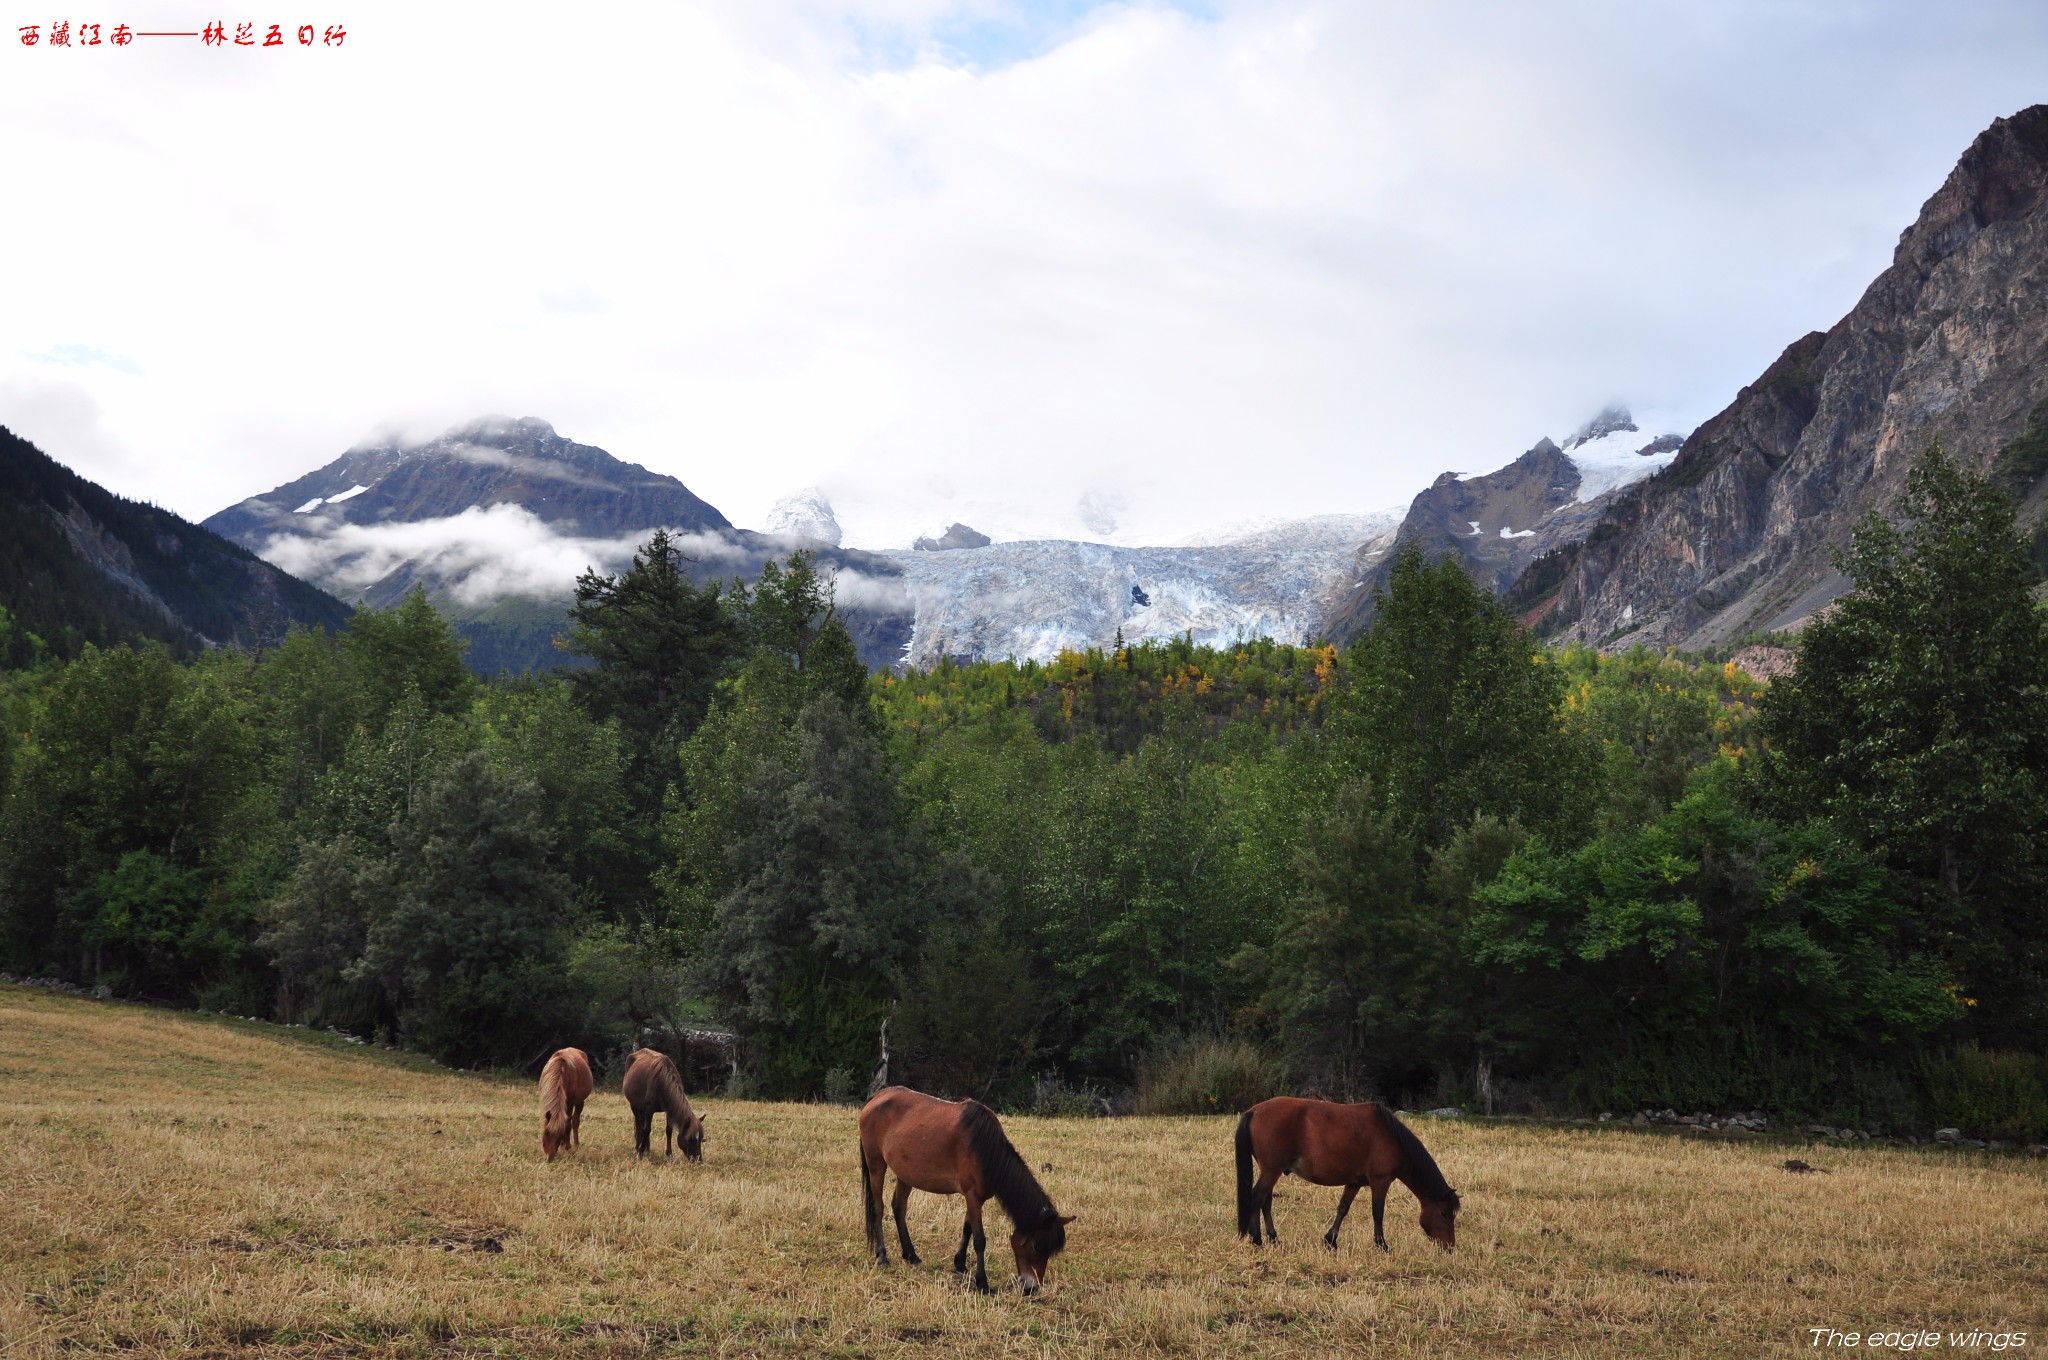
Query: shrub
(1054,1098)
(1208,1076)
(1988,1095)
(1743,1071)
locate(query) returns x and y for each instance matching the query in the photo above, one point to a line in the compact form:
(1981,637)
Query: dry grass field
(179,1185)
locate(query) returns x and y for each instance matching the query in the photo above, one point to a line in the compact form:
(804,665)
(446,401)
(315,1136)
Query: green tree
(409,647)
(805,952)
(533,730)
(317,929)
(1711,920)
(474,942)
(127,752)
(1353,974)
(1917,720)
(1453,711)
(659,644)
(792,615)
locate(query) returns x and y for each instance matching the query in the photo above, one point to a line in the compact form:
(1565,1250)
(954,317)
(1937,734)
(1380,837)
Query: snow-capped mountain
(806,516)
(1498,523)
(496,519)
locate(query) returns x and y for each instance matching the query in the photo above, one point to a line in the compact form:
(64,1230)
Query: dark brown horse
(654,1086)
(1347,1145)
(946,1147)
(564,1086)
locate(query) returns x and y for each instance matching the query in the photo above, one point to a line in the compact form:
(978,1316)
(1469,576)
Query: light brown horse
(1347,1145)
(564,1086)
(946,1147)
(653,1085)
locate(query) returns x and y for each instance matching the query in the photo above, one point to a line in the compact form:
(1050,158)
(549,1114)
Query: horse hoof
(1330,1242)
(913,1260)
(1383,1246)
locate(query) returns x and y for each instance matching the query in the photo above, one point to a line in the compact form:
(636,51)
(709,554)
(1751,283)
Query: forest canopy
(1445,862)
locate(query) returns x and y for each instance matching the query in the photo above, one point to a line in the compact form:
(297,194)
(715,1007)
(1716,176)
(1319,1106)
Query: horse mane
(1009,1178)
(553,1100)
(1423,1176)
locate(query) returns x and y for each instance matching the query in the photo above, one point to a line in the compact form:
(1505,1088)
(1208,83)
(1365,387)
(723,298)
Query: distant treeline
(1444,863)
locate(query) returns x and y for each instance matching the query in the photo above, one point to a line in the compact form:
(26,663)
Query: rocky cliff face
(1499,523)
(1950,343)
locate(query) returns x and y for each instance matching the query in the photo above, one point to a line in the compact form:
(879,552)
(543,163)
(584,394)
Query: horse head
(1034,1250)
(692,1138)
(554,1131)
(1440,1220)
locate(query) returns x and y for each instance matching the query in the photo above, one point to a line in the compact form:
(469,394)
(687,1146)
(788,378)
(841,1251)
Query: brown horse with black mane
(1347,1145)
(653,1086)
(947,1147)
(564,1086)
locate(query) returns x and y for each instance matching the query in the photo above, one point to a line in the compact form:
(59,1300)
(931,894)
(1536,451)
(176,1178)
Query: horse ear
(1066,1218)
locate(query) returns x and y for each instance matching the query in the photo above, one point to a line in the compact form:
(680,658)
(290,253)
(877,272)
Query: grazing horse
(564,1086)
(1347,1145)
(653,1084)
(947,1147)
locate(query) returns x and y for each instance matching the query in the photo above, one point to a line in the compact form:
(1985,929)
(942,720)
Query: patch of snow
(807,515)
(350,494)
(1611,460)
(309,505)
(1270,531)
(1475,527)
(1505,532)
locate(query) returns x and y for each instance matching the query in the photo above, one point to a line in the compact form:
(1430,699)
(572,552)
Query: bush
(1743,1071)
(1988,1095)
(1208,1076)
(1055,1099)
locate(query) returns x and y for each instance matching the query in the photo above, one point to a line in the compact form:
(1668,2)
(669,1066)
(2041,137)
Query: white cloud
(1290,257)
(483,554)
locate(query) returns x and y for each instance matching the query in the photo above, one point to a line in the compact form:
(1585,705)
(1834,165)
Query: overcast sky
(959,260)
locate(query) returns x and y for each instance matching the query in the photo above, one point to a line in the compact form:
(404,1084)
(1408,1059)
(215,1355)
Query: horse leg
(966,1236)
(1343,1208)
(873,1172)
(910,1256)
(980,1247)
(1264,1194)
(576,1124)
(668,1134)
(643,1133)
(1379,1213)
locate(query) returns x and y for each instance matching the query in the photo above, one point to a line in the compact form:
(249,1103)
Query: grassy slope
(177,1184)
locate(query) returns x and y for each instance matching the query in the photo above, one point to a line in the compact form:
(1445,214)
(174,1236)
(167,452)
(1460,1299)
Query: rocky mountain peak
(956,537)
(499,429)
(1610,420)
(1737,535)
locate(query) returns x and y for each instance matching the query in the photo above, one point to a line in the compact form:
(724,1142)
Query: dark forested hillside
(81,565)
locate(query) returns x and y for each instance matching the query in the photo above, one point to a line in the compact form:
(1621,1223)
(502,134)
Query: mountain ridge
(1949,344)
(81,564)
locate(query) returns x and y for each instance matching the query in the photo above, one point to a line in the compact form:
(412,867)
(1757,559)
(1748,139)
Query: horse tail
(867,1197)
(1246,1210)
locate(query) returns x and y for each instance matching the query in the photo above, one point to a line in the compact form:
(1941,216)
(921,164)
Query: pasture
(181,1185)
